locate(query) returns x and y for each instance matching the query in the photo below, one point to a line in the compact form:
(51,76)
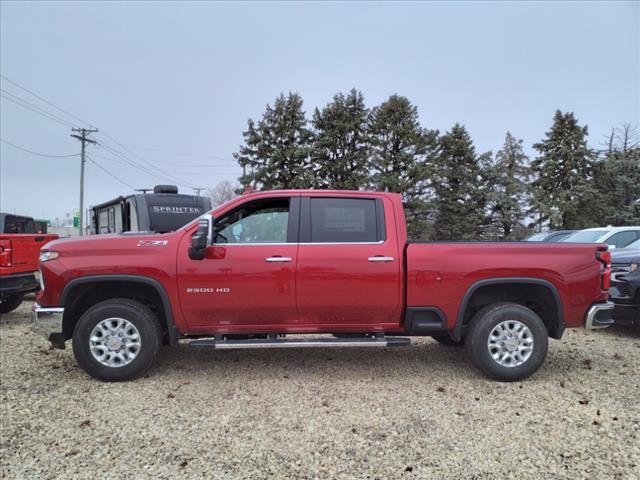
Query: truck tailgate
(20,251)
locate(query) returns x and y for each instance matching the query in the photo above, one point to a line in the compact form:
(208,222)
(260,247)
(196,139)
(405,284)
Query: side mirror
(201,238)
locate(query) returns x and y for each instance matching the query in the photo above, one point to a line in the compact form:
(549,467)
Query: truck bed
(441,274)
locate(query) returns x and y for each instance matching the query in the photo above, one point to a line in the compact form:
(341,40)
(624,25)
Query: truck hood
(109,241)
(625,257)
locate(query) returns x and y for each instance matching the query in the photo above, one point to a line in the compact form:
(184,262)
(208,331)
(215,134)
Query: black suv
(625,285)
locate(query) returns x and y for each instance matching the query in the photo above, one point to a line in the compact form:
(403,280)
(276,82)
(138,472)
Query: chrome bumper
(47,321)
(599,316)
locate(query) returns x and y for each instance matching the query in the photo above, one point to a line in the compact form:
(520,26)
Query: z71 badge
(153,243)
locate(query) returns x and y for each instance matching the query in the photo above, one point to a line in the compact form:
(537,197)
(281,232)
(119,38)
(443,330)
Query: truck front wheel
(10,303)
(117,340)
(507,341)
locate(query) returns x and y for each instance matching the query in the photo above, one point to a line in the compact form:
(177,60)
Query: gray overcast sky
(185,77)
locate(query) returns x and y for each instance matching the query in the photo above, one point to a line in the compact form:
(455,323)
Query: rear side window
(17,224)
(345,220)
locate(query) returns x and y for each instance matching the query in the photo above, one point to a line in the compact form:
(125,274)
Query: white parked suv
(615,237)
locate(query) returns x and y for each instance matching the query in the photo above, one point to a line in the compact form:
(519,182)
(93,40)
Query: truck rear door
(349,273)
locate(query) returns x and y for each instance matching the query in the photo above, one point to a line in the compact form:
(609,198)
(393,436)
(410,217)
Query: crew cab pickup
(19,249)
(268,266)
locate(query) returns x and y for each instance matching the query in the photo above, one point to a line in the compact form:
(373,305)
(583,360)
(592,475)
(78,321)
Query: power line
(29,106)
(44,100)
(108,172)
(120,161)
(152,168)
(181,154)
(166,175)
(36,153)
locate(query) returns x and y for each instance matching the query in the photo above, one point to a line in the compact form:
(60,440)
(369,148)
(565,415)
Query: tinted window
(343,220)
(257,222)
(16,224)
(622,239)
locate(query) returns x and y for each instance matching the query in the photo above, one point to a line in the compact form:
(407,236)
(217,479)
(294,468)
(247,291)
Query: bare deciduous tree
(222,192)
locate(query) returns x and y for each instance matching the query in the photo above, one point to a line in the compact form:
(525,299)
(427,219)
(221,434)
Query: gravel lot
(416,412)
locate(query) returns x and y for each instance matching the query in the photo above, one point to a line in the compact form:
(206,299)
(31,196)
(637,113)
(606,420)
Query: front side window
(265,221)
(622,239)
(344,220)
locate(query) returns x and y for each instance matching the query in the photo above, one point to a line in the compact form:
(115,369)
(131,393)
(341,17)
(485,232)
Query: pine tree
(340,147)
(276,153)
(509,176)
(459,188)
(563,190)
(401,156)
(617,178)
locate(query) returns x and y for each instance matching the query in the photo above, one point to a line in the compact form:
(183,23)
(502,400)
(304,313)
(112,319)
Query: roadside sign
(76,218)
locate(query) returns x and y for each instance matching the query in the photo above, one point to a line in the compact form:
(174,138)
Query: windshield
(585,236)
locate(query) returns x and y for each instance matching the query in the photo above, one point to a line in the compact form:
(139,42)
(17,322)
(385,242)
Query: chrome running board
(301,342)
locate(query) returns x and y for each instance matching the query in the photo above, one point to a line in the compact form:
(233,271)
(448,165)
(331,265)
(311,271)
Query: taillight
(5,253)
(604,257)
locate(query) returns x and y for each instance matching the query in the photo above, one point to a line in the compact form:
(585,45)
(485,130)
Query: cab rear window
(18,224)
(344,220)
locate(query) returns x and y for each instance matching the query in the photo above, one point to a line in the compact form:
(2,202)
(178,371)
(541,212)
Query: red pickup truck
(19,249)
(271,264)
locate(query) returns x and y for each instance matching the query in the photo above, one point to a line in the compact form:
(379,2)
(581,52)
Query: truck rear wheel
(117,340)
(507,341)
(10,303)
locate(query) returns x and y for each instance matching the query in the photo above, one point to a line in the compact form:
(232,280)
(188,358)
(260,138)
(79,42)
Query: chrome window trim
(294,243)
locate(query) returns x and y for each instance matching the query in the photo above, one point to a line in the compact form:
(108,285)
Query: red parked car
(271,264)
(20,245)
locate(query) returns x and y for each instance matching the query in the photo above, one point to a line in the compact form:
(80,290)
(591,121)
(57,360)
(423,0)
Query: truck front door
(246,282)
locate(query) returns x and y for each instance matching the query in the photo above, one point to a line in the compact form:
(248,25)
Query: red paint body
(326,287)
(19,251)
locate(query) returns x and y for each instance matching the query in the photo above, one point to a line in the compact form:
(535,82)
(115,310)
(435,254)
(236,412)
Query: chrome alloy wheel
(510,343)
(114,342)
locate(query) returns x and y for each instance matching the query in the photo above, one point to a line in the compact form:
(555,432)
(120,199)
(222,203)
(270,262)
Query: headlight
(633,267)
(48,255)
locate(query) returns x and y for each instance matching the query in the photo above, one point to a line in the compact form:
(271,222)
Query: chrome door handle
(278,259)
(381,259)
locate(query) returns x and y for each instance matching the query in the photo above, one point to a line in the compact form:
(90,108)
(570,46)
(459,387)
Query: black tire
(483,324)
(446,340)
(134,312)
(10,303)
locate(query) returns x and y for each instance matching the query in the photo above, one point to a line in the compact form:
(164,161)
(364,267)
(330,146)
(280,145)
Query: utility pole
(197,190)
(81,134)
